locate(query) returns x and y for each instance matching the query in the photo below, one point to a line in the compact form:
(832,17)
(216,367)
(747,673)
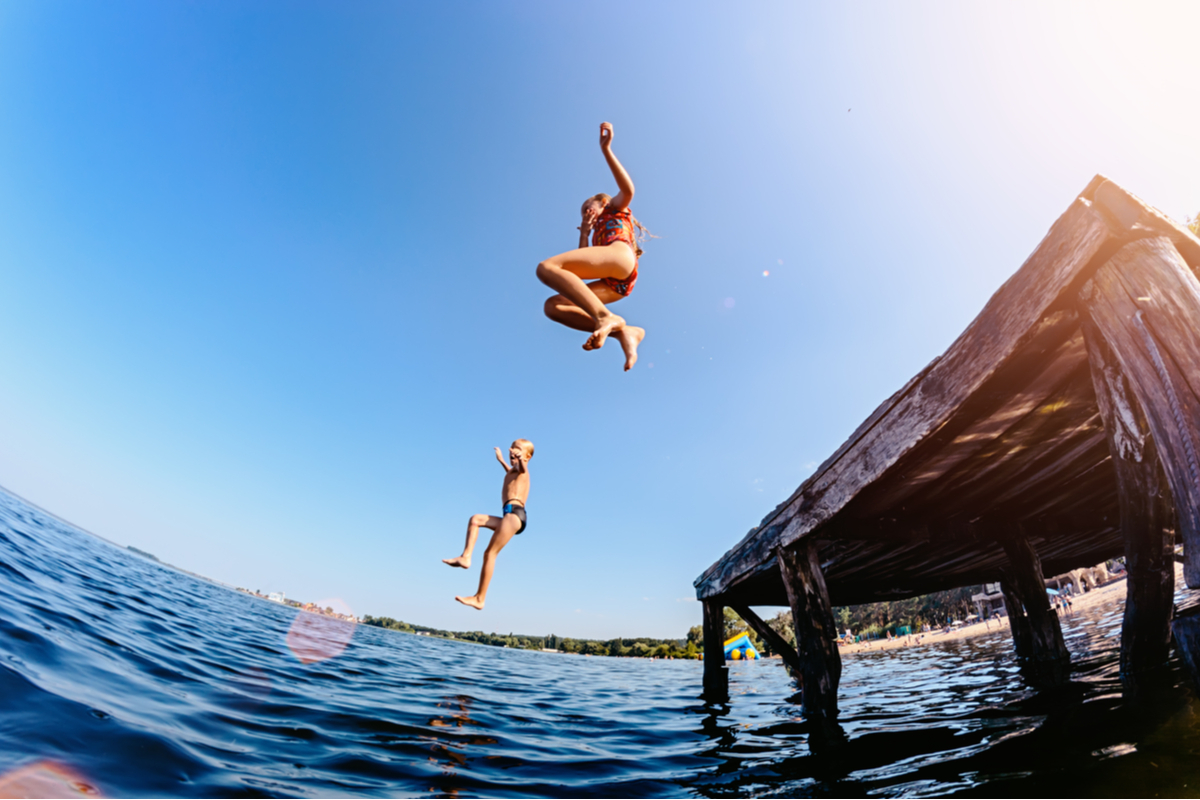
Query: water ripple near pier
(123,677)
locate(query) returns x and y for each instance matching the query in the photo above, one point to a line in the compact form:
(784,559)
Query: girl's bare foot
(630,337)
(461,561)
(472,601)
(608,326)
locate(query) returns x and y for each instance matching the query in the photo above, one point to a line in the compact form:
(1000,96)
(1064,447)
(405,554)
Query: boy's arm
(500,458)
(624,183)
(519,463)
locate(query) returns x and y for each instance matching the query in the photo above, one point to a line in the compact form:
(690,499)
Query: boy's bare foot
(461,561)
(611,324)
(472,601)
(630,337)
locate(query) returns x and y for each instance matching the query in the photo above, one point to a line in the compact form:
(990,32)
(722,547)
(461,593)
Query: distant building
(277,597)
(990,600)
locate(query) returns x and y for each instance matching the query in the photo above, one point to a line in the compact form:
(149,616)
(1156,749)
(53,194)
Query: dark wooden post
(716,674)
(812,616)
(778,643)
(1146,513)
(1144,304)
(1049,662)
(1018,623)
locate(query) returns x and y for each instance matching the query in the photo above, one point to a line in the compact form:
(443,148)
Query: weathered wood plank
(778,643)
(1146,514)
(812,616)
(1145,303)
(1131,212)
(997,333)
(716,674)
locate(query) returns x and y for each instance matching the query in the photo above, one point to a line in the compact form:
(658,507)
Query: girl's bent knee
(545,270)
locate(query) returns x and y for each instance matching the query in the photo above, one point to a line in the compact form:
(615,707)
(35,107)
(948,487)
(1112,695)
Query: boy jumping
(510,522)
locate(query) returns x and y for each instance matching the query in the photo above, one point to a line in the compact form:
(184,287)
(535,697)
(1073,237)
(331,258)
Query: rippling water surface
(120,676)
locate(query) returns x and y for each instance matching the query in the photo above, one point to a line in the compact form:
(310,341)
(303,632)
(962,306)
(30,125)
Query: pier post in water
(812,614)
(1147,513)
(1018,623)
(716,674)
(1144,303)
(1048,660)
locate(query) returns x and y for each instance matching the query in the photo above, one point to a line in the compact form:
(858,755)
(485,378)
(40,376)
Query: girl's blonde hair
(639,230)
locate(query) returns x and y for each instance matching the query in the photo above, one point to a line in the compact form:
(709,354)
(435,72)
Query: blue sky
(269,295)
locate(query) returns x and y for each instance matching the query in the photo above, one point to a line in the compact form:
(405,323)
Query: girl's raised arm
(624,194)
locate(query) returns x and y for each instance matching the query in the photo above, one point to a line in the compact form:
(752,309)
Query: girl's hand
(589,219)
(606,135)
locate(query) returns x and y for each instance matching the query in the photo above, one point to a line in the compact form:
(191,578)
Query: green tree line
(640,647)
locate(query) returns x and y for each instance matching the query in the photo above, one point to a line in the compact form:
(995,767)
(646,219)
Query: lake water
(122,677)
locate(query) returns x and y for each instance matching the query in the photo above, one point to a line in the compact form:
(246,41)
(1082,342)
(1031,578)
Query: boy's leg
(508,528)
(473,525)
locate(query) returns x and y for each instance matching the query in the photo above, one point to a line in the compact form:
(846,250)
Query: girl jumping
(611,264)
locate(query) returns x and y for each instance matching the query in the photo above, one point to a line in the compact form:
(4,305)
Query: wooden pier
(1062,428)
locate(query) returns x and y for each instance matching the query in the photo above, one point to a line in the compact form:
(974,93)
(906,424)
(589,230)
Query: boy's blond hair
(526,445)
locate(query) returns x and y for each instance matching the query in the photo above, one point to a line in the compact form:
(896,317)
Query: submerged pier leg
(1048,661)
(819,660)
(1146,514)
(1018,623)
(1144,303)
(716,674)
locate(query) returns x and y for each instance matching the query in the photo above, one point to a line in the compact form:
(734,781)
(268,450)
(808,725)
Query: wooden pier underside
(1002,430)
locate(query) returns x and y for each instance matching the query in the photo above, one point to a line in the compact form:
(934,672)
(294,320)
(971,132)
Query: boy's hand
(500,458)
(606,135)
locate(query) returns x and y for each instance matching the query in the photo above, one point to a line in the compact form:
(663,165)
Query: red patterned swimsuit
(617,226)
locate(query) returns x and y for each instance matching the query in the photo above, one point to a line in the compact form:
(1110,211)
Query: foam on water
(121,676)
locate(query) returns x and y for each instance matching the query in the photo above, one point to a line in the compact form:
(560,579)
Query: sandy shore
(1109,591)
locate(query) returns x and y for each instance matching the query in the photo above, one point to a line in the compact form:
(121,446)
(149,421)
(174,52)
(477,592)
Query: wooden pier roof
(1004,425)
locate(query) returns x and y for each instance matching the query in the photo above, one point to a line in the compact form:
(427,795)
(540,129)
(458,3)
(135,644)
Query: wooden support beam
(778,643)
(1049,661)
(1146,513)
(812,615)
(1144,302)
(716,674)
(1018,623)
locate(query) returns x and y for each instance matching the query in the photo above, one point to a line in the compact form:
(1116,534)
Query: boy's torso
(516,487)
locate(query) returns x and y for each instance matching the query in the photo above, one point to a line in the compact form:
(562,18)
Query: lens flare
(321,631)
(766,272)
(729,303)
(45,779)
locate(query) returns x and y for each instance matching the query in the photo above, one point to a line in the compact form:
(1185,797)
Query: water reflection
(449,750)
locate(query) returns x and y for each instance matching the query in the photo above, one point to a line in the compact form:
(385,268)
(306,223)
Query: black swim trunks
(516,510)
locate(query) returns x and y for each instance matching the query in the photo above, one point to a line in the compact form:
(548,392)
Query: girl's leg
(507,529)
(566,272)
(473,525)
(564,312)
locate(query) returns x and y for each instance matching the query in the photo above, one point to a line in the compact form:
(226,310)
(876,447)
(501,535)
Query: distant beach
(1105,593)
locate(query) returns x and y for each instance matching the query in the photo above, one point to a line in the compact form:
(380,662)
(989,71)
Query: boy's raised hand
(500,458)
(606,135)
